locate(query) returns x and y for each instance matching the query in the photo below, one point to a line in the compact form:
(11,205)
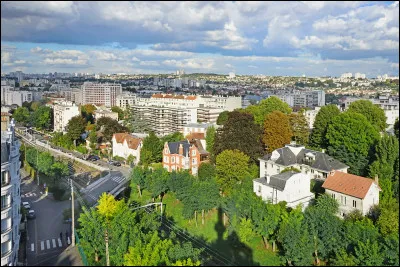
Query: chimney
(268,178)
(376,179)
(180,149)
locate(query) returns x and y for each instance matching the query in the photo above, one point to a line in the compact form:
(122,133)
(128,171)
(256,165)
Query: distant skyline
(248,38)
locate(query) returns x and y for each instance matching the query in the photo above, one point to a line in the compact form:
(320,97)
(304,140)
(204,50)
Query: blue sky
(270,38)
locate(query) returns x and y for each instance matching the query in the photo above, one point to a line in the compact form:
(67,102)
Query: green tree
(351,133)
(21,115)
(59,169)
(45,162)
(222,117)
(299,127)
(131,159)
(232,168)
(76,127)
(174,137)
(267,106)
(277,132)
(388,221)
(396,128)
(42,117)
(119,111)
(93,140)
(241,133)
(210,137)
(374,114)
(324,117)
(206,171)
(151,150)
(109,127)
(34,105)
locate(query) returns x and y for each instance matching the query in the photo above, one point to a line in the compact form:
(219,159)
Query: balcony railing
(6,206)
(6,253)
(6,230)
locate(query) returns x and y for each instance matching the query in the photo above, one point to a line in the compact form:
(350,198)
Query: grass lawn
(214,233)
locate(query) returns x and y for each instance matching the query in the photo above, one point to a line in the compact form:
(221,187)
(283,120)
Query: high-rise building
(232,75)
(346,75)
(126,100)
(359,75)
(311,99)
(10,197)
(63,112)
(101,93)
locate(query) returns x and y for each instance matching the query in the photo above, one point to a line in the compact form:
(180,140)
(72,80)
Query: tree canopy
(42,117)
(151,150)
(76,127)
(223,117)
(277,131)
(109,127)
(299,127)
(324,117)
(119,111)
(21,115)
(374,114)
(267,106)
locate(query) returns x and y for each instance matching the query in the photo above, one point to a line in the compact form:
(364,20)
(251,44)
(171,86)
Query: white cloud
(149,63)
(64,61)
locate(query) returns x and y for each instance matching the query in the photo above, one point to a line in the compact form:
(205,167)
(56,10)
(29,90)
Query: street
(44,244)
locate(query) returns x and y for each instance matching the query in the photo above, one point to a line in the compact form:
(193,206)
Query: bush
(82,149)
(118,158)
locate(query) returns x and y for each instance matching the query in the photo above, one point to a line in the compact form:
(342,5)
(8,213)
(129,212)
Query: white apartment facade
(63,112)
(10,97)
(126,100)
(292,187)
(10,197)
(311,115)
(101,93)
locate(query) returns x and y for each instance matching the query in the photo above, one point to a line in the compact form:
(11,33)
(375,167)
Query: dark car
(117,163)
(93,158)
(31,214)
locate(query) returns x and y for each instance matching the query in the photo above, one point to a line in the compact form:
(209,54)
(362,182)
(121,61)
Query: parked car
(31,214)
(26,205)
(117,163)
(93,157)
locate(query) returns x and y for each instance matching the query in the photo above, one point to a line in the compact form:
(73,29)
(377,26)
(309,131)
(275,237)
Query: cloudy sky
(270,38)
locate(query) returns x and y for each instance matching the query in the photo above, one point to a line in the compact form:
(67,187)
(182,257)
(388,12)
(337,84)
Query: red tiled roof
(348,184)
(132,142)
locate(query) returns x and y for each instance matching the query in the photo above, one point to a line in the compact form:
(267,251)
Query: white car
(31,214)
(26,205)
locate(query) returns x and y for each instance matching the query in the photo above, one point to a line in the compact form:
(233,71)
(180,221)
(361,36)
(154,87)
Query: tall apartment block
(166,114)
(63,112)
(311,99)
(101,93)
(10,197)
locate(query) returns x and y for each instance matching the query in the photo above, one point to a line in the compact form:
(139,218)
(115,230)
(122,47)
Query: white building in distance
(101,93)
(10,197)
(346,75)
(63,112)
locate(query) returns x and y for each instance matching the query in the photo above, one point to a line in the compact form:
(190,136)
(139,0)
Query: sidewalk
(69,257)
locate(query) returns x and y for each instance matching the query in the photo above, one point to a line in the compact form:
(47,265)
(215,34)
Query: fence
(80,249)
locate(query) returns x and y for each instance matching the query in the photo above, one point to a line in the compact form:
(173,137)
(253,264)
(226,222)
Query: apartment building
(10,96)
(296,98)
(315,164)
(99,113)
(63,112)
(101,93)
(311,115)
(184,155)
(10,197)
(126,100)
(166,114)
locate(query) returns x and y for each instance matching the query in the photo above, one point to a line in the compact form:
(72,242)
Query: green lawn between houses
(255,254)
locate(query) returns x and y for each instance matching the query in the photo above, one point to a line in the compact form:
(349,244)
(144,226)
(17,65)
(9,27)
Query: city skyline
(278,39)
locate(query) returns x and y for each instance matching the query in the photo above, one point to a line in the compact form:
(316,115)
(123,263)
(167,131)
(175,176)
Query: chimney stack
(268,178)
(180,149)
(376,179)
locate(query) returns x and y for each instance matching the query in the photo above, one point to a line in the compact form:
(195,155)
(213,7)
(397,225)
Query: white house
(290,186)
(125,144)
(352,192)
(315,164)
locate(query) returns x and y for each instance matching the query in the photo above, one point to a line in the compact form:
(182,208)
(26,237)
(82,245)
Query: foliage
(388,221)
(245,231)
(62,140)
(324,117)
(374,114)
(82,149)
(290,169)
(59,169)
(109,127)
(151,150)
(206,171)
(222,117)
(396,128)
(76,127)
(21,115)
(267,106)
(299,127)
(93,140)
(174,137)
(241,133)
(210,137)
(131,159)
(87,112)
(34,105)
(45,162)
(119,111)
(43,117)
(108,207)
(277,131)
(134,123)
(232,168)
(350,138)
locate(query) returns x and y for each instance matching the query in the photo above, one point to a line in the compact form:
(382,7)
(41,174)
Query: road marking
(42,245)
(59,243)
(68,241)
(48,244)
(32,247)
(54,243)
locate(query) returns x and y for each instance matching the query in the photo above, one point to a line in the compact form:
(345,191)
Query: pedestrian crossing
(92,196)
(118,179)
(29,195)
(49,244)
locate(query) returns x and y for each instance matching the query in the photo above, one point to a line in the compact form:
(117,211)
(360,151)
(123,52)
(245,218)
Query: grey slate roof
(174,147)
(4,153)
(322,161)
(277,181)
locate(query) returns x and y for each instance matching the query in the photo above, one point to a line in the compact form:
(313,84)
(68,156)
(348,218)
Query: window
(165,159)
(354,204)
(172,159)
(259,189)
(325,175)
(345,200)
(333,196)
(312,171)
(194,152)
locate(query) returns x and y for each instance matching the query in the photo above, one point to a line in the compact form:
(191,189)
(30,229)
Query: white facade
(359,75)
(196,128)
(232,75)
(63,112)
(101,93)
(292,187)
(10,197)
(126,100)
(121,147)
(346,75)
(97,114)
(10,97)
(311,115)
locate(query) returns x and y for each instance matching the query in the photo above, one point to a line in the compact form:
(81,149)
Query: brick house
(184,155)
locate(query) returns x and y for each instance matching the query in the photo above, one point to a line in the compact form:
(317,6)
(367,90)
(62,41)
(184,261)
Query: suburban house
(315,164)
(124,144)
(292,187)
(184,155)
(352,192)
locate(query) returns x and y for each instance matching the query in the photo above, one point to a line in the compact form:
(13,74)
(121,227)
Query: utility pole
(73,215)
(107,254)
(37,166)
